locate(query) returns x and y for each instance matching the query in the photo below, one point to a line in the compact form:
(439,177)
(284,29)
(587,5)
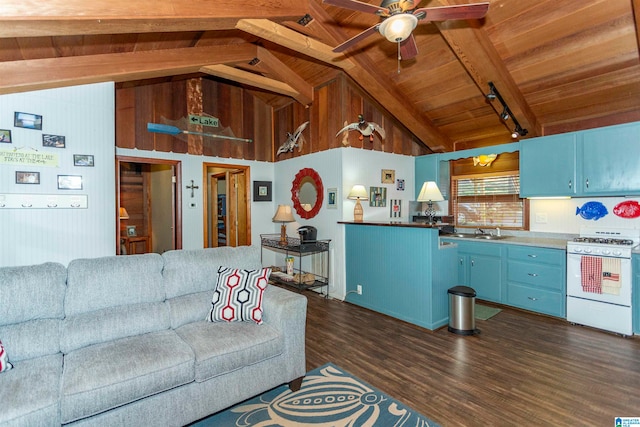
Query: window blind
(488,200)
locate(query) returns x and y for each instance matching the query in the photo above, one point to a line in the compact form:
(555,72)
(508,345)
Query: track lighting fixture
(506,112)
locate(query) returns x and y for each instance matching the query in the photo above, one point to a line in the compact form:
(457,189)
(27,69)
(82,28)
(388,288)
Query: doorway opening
(226,218)
(149,216)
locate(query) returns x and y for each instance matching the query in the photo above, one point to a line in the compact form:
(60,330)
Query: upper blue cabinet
(597,162)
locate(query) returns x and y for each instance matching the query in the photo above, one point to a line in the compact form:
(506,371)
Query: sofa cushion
(189,271)
(109,324)
(5,365)
(99,283)
(108,375)
(239,295)
(221,348)
(29,392)
(189,308)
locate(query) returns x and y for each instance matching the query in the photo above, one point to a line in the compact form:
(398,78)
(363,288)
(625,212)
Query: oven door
(574,283)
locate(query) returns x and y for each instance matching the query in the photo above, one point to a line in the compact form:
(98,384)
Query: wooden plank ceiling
(561,65)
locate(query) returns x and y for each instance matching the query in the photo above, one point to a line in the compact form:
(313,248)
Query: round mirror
(307,193)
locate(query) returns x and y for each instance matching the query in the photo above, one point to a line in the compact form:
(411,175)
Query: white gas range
(599,278)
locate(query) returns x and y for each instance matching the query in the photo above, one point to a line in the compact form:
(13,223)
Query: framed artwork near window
(388,176)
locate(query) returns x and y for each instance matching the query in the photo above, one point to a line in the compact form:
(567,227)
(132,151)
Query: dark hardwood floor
(522,370)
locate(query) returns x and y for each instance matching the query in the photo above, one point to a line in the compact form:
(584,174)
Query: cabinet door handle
(570,183)
(472,263)
(532,256)
(533,298)
(533,274)
(587,182)
(461,261)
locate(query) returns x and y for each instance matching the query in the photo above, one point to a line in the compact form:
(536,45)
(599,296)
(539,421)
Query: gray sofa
(123,341)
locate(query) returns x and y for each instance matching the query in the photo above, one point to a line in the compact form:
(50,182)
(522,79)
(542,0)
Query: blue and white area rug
(329,396)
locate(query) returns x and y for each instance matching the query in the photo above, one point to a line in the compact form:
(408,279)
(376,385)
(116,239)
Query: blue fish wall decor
(592,210)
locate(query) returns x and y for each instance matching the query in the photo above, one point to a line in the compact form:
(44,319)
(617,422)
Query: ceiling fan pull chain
(399,57)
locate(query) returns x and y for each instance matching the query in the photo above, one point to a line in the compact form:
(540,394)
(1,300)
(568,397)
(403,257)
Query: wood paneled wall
(248,115)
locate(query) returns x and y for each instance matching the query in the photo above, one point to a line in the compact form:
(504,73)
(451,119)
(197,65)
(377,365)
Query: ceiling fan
(400,18)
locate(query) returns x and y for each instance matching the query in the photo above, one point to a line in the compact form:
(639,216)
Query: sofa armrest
(286,311)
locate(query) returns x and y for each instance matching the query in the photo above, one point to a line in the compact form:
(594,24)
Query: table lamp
(283,215)
(430,193)
(357,193)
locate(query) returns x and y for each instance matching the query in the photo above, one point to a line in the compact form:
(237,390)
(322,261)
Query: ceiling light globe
(397,28)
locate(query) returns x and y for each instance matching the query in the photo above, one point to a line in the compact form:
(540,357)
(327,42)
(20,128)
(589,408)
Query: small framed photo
(261,191)
(332,198)
(69,182)
(5,136)
(395,208)
(27,120)
(400,184)
(55,141)
(27,177)
(388,176)
(131,231)
(83,160)
(378,197)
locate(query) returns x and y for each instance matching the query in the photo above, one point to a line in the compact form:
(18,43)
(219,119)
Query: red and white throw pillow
(238,295)
(5,365)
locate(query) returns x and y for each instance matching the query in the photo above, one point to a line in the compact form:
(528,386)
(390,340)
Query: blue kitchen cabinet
(548,166)
(480,267)
(536,279)
(635,292)
(595,162)
(610,158)
(402,272)
(432,168)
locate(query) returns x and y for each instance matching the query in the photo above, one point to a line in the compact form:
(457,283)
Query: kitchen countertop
(524,238)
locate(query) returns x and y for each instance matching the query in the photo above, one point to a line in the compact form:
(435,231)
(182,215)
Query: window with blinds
(488,200)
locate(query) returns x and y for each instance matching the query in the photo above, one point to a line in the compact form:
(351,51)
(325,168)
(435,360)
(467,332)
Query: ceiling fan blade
(443,13)
(408,48)
(355,39)
(359,6)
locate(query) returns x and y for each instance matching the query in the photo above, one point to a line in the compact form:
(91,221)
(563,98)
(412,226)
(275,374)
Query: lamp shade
(283,214)
(398,27)
(358,192)
(430,193)
(123,213)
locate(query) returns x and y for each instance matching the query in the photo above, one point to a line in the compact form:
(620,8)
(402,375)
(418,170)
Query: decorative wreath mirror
(307,193)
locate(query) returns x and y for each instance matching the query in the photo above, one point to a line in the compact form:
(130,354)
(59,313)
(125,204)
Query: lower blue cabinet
(635,292)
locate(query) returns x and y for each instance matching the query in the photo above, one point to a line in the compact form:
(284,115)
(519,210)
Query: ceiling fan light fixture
(397,28)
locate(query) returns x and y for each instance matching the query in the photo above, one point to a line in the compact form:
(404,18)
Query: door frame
(177,195)
(205,192)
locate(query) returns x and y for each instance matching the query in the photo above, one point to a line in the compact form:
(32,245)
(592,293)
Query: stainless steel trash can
(462,316)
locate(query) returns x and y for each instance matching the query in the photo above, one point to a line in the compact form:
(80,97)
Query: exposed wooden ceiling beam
(471,44)
(36,74)
(364,75)
(251,79)
(285,74)
(283,36)
(30,18)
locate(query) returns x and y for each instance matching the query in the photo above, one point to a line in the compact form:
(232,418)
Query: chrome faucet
(480,231)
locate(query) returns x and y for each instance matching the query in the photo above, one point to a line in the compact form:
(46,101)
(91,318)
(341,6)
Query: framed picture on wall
(55,141)
(83,160)
(388,176)
(378,197)
(27,177)
(5,136)
(332,198)
(261,191)
(27,120)
(69,182)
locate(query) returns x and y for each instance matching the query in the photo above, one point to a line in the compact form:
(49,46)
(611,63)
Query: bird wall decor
(365,128)
(292,140)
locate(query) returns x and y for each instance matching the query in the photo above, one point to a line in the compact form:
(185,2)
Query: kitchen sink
(474,236)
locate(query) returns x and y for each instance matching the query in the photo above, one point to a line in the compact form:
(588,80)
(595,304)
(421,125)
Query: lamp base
(358,212)
(283,234)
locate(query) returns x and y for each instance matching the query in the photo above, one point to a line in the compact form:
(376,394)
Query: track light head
(492,93)
(505,114)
